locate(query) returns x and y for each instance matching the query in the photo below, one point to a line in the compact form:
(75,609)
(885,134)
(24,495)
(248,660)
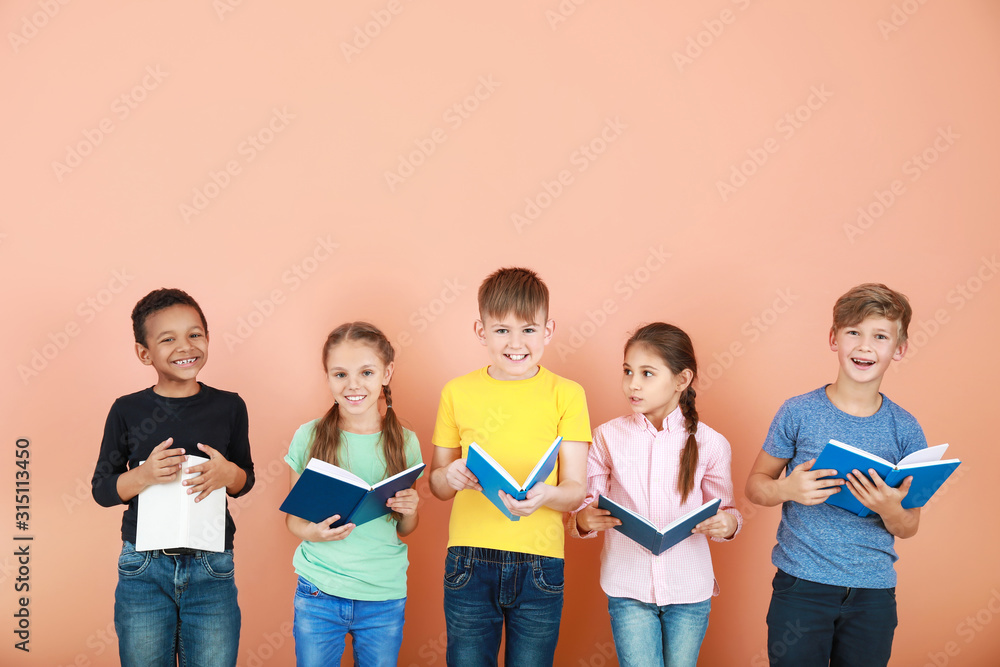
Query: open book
(638,529)
(169,518)
(324,489)
(494,478)
(929,472)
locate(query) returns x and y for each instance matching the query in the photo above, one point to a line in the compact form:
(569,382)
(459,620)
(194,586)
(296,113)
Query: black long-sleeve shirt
(139,422)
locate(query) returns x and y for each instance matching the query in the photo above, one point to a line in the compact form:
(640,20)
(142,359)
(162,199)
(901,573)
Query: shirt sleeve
(718,481)
(239,446)
(112,460)
(911,436)
(574,419)
(781,436)
(413,454)
(598,473)
(445,428)
(296,457)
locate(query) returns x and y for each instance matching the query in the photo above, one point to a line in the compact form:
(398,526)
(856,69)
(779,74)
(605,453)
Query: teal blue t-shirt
(370,564)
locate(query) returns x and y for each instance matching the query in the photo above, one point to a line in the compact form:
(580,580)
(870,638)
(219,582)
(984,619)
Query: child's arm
(567,495)
(801,485)
(588,520)
(215,473)
(405,502)
(449,475)
(886,501)
(161,466)
(315,532)
(717,482)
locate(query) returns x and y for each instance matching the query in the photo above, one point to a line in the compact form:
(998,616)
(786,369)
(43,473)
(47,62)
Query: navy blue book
(324,489)
(638,529)
(929,472)
(494,478)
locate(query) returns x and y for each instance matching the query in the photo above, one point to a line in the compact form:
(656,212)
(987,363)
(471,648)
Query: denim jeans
(323,621)
(647,634)
(485,589)
(170,607)
(817,624)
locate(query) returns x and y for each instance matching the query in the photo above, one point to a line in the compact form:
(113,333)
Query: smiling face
(356,375)
(514,346)
(649,385)
(865,350)
(177,347)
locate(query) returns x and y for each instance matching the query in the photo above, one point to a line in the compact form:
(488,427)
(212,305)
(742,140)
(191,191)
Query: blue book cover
(929,472)
(638,529)
(494,478)
(324,489)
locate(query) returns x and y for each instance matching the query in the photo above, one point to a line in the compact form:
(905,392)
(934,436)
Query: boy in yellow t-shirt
(501,572)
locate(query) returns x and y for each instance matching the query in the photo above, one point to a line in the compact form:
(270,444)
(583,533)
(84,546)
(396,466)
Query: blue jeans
(322,622)
(170,607)
(647,634)
(817,624)
(484,589)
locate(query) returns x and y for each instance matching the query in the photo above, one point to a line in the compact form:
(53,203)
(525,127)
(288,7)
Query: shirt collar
(672,422)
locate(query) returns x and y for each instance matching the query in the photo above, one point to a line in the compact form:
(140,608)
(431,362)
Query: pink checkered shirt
(636,466)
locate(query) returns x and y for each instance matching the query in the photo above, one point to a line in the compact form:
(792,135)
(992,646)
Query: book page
(330,470)
(926,455)
(496,466)
(169,518)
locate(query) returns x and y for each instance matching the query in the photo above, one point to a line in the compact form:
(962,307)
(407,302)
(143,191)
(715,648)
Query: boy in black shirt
(174,602)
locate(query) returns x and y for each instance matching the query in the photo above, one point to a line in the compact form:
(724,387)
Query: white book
(169,518)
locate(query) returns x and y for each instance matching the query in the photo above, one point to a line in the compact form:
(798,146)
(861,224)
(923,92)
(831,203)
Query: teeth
(516,357)
(865,362)
(354,398)
(184,362)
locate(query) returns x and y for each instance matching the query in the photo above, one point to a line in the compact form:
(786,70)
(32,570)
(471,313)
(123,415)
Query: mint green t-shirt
(370,564)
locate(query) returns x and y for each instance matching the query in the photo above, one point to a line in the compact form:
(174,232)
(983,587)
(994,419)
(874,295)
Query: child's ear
(388,373)
(550,328)
(684,379)
(900,351)
(833,340)
(142,352)
(480,329)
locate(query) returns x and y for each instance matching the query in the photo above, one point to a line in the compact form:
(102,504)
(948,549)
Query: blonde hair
(514,290)
(872,300)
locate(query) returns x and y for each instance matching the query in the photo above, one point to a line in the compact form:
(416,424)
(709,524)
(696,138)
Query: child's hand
(722,525)
(216,473)
(592,517)
(536,497)
(875,494)
(321,532)
(459,477)
(405,502)
(804,486)
(163,464)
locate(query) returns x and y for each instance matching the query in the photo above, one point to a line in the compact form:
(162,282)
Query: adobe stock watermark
(914,167)
(968,629)
(711,31)
(751,331)
(32,23)
(365,33)
(624,289)
(923,330)
(786,126)
(86,311)
(561,12)
(421,319)
(292,278)
(898,17)
(223,7)
(454,117)
(432,651)
(247,151)
(580,161)
(121,108)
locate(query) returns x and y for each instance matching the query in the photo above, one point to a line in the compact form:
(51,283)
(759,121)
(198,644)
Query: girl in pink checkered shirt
(661,463)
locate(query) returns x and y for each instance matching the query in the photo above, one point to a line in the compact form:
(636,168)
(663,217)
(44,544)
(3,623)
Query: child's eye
(648,374)
(340,375)
(529,330)
(882,337)
(500,331)
(167,340)
(367,373)
(628,372)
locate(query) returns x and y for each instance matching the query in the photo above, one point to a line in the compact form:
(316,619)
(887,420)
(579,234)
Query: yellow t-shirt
(515,421)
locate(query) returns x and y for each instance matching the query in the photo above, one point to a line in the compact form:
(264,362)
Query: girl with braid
(660,462)
(352,579)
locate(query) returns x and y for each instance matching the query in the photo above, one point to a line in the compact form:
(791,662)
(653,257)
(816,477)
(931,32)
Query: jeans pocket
(457,571)
(304,588)
(219,565)
(783,582)
(132,563)
(548,574)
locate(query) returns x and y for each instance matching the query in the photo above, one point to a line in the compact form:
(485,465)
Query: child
(833,599)
(174,603)
(500,572)
(352,579)
(661,462)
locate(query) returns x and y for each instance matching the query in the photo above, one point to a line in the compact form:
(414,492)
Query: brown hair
(326,441)
(514,290)
(872,300)
(674,346)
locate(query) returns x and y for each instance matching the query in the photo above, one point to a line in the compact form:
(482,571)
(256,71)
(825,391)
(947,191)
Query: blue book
(638,529)
(324,489)
(929,472)
(494,478)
